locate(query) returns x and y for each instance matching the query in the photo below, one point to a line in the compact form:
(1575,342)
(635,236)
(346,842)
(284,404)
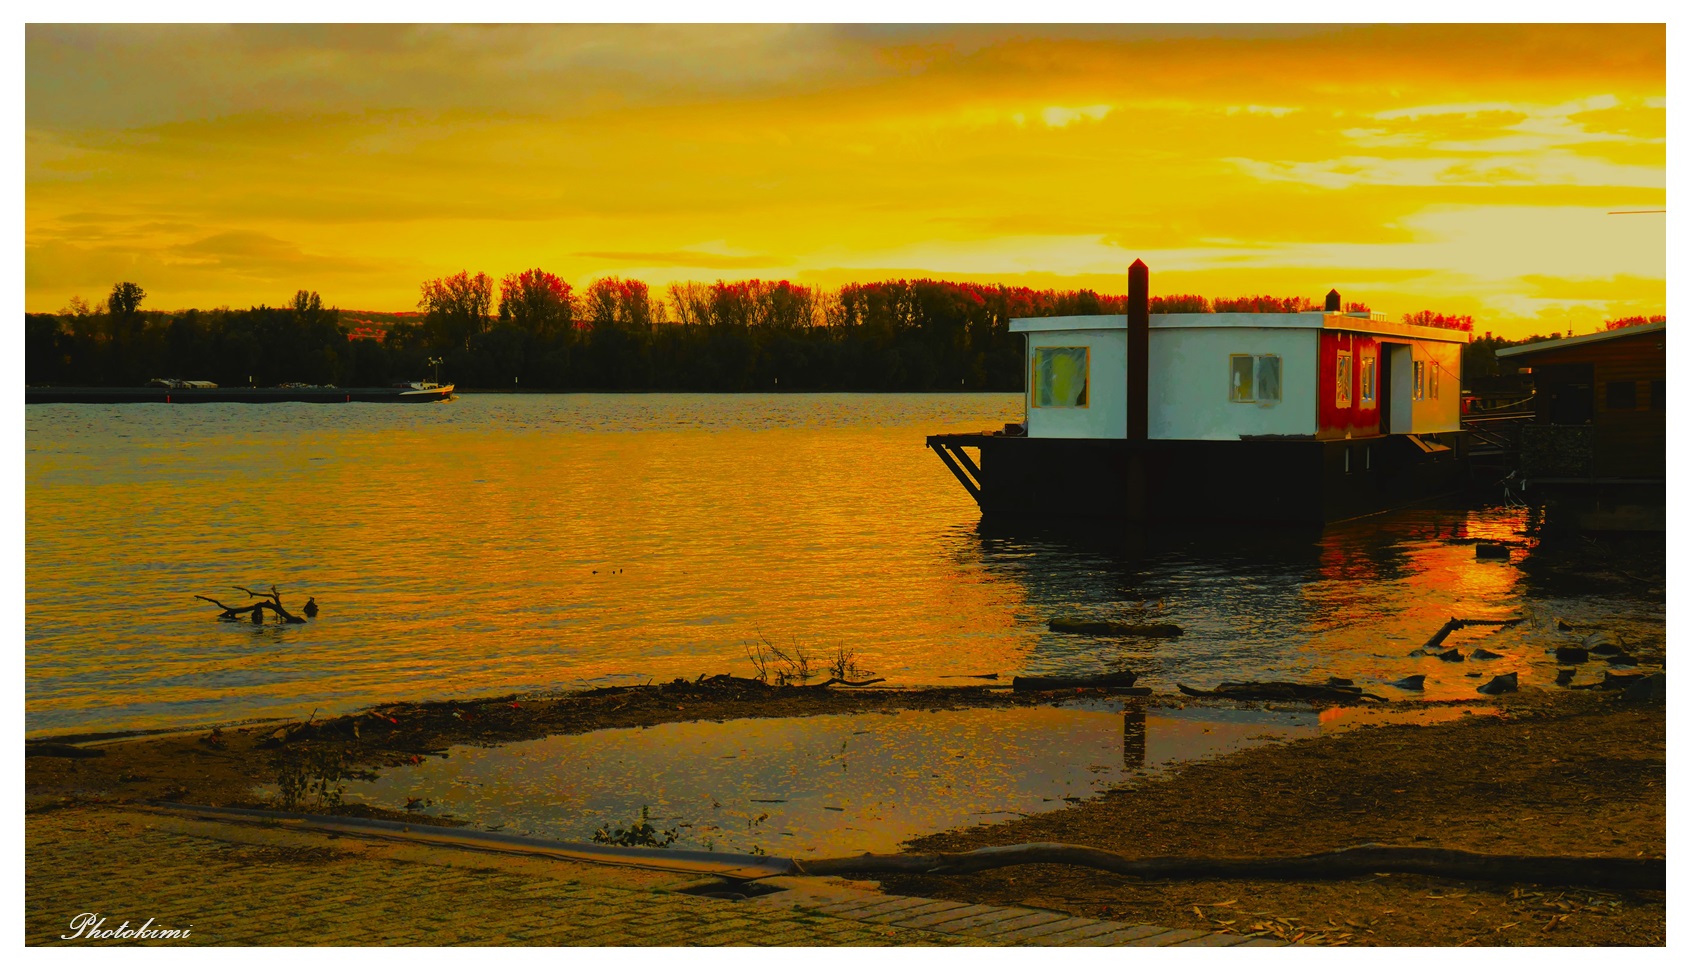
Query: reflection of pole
(1134,735)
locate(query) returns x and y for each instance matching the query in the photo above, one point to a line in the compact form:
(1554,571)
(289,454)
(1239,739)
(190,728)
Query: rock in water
(1499,684)
(1450,655)
(1411,682)
(1652,689)
(310,608)
(1572,656)
(1491,552)
(1484,654)
(1565,676)
(1599,643)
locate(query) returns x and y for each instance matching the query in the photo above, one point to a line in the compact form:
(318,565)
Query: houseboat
(1596,445)
(1293,417)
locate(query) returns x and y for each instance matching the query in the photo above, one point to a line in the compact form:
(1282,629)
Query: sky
(1465,169)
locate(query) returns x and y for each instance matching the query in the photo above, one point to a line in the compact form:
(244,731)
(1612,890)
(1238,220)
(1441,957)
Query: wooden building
(1599,406)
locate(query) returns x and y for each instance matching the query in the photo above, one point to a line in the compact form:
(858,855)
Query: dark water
(502,543)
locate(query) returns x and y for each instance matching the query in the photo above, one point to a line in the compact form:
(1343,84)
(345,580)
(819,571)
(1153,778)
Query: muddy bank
(1551,774)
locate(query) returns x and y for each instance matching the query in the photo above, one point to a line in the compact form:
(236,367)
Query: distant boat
(175,391)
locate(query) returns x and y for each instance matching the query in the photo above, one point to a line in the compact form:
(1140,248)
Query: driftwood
(1275,691)
(1457,623)
(837,681)
(1613,873)
(1110,680)
(269,602)
(1085,626)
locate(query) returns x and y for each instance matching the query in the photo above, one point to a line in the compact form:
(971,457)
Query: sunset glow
(1464,169)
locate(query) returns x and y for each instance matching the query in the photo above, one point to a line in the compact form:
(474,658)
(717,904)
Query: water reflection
(505,543)
(828,785)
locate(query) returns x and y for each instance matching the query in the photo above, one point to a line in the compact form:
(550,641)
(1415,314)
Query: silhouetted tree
(126,299)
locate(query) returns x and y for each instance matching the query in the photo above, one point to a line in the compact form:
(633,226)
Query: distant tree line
(533,330)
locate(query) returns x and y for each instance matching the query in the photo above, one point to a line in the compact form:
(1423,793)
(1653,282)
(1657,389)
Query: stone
(1499,684)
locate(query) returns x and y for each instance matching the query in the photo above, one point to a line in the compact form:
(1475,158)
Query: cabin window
(1433,380)
(1621,395)
(1342,380)
(1368,379)
(1268,378)
(1060,378)
(1659,393)
(1416,380)
(1254,378)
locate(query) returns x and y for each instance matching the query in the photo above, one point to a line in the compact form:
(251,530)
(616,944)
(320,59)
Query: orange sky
(1465,169)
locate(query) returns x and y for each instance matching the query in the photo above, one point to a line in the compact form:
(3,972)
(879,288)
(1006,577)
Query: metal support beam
(945,455)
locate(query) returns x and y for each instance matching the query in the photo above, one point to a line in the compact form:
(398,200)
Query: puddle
(832,785)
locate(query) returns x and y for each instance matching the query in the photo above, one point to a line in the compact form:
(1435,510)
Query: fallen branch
(271,602)
(1457,623)
(1115,680)
(1615,873)
(837,681)
(1277,691)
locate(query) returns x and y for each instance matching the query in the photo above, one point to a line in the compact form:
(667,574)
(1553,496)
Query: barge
(189,392)
(1304,417)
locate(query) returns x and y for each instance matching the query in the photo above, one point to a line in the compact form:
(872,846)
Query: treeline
(533,330)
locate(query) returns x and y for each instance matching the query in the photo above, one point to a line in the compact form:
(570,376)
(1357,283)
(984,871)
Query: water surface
(513,543)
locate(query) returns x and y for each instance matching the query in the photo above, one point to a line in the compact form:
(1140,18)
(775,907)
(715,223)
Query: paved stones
(241,884)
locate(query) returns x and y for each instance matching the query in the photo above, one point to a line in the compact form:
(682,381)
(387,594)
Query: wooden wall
(1629,443)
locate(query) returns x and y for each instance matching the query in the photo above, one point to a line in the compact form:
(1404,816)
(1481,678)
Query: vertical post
(1139,341)
(1136,388)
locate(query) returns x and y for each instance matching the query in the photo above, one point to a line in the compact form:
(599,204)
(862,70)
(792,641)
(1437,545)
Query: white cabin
(1231,376)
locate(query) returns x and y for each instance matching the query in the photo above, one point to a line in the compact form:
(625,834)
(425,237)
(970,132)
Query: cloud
(685,258)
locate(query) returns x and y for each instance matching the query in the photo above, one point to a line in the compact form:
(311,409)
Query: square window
(1433,381)
(1621,395)
(1416,386)
(1342,380)
(1368,379)
(1659,393)
(1060,378)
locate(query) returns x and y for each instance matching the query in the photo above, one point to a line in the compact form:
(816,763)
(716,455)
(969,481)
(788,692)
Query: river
(513,543)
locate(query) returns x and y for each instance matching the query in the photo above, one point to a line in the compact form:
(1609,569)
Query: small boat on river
(176,392)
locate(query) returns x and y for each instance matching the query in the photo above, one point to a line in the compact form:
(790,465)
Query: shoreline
(1561,773)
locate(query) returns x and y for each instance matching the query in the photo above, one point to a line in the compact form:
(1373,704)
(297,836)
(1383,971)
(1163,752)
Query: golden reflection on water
(824,785)
(502,543)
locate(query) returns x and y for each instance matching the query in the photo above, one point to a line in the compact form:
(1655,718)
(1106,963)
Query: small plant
(641,834)
(760,661)
(845,665)
(789,669)
(314,777)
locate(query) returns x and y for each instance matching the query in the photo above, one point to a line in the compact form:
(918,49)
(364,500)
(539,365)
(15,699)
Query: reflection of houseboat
(1232,416)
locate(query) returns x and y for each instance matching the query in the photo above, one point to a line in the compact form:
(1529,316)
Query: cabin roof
(1557,344)
(1301,320)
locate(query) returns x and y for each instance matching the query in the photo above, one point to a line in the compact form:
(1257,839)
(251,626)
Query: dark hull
(33,396)
(1275,481)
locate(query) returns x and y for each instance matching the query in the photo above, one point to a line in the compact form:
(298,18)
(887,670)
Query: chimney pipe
(1333,303)
(1139,355)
